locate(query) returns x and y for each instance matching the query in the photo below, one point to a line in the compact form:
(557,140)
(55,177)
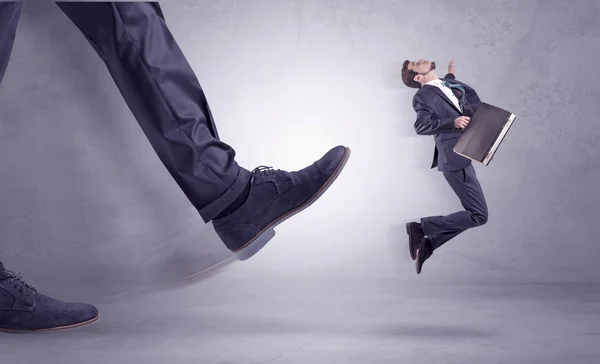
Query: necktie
(459,92)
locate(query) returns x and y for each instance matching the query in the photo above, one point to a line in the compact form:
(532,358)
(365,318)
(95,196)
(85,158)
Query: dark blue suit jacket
(435,116)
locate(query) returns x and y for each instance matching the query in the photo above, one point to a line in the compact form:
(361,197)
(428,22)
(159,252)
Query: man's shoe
(23,309)
(415,235)
(424,251)
(274,197)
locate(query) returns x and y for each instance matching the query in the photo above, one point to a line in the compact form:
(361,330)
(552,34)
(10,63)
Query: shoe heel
(254,247)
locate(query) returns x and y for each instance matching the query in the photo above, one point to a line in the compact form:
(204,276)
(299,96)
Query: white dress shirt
(446,90)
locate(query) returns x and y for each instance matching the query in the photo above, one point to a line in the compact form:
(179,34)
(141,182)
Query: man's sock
(236,204)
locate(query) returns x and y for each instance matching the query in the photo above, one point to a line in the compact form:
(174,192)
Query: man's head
(416,73)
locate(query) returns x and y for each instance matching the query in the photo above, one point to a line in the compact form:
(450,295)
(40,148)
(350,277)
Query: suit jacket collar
(442,94)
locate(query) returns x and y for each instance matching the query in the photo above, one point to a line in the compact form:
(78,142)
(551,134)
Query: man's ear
(417,78)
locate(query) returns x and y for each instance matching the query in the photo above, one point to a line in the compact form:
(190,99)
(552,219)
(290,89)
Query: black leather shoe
(23,309)
(424,251)
(274,197)
(415,234)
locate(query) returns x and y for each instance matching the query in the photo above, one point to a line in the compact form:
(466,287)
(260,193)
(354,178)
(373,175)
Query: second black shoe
(415,235)
(424,251)
(274,197)
(24,309)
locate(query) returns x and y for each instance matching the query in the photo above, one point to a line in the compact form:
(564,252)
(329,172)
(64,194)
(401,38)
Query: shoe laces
(261,170)
(16,281)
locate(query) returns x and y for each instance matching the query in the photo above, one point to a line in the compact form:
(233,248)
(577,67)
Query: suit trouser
(441,229)
(161,90)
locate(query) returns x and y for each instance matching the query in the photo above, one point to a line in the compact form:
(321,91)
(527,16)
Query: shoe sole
(413,255)
(266,234)
(417,265)
(59,328)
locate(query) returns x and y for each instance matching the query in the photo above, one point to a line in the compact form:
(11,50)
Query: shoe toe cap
(83,311)
(331,160)
(52,313)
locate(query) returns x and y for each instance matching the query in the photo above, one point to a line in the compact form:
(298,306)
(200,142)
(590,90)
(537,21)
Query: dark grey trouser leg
(164,94)
(10,12)
(466,186)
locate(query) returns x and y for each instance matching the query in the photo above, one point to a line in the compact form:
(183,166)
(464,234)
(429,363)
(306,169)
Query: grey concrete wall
(84,201)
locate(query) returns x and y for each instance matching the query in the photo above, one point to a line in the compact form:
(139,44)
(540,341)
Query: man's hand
(451,67)
(461,122)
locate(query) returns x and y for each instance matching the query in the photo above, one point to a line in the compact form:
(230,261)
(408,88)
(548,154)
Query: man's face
(422,67)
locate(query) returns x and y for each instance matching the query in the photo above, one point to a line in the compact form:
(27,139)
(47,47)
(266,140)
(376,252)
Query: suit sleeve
(450,76)
(427,122)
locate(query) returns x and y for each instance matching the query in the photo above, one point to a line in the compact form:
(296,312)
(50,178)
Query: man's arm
(427,123)
(472,96)
(468,88)
(450,74)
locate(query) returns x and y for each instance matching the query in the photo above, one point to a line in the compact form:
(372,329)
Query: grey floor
(241,317)
(88,213)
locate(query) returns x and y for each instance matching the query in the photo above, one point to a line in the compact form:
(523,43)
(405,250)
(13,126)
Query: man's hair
(408,76)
